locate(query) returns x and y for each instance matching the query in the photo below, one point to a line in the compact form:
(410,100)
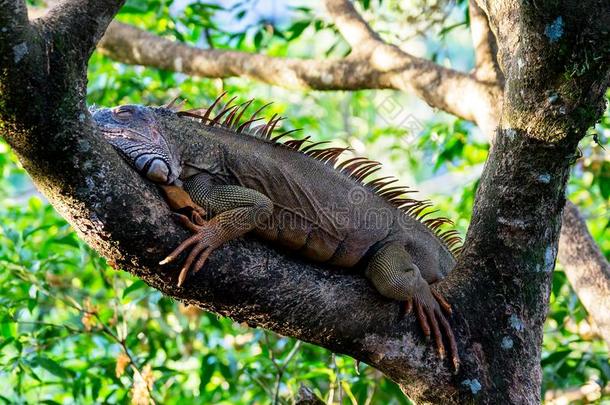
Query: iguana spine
(358,168)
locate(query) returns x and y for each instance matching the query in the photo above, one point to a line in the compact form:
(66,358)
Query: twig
(281,368)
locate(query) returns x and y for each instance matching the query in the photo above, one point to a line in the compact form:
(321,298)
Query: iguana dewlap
(229,179)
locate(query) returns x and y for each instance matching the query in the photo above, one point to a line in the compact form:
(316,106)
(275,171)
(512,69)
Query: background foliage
(72,330)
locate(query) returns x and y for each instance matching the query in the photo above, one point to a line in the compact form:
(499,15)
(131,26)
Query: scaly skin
(244,183)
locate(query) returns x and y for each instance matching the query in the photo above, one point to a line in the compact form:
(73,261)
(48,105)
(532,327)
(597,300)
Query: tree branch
(586,267)
(451,91)
(47,70)
(440,87)
(132,45)
(13,22)
(485,47)
(126,221)
(82,21)
(352,26)
(15,31)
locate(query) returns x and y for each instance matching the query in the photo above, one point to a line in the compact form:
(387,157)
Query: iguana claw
(207,237)
(442,302)
(408,306)
(430,315)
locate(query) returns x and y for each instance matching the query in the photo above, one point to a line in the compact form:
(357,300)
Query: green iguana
(238,178)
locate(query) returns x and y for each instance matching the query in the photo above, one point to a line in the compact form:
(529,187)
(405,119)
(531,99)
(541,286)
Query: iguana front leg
(179,201)
(393,273)
(236,210)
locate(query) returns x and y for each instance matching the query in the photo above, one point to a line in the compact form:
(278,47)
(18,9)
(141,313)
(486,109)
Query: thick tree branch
(83,21)
(47,70)
(485,47)
(132,45)
(13,22)
(352,26)
(586,267)
(513,236)
(551,23)
(127,222)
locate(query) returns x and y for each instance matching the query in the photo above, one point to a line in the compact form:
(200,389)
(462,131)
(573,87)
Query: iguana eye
(123,112)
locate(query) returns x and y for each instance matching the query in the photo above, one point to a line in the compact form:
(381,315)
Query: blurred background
(75,331)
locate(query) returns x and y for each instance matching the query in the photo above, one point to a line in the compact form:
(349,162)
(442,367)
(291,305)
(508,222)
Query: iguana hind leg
(236,210)
(393,273)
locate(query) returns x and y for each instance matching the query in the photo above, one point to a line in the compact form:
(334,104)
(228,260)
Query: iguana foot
(442,302)
(237,211)
(428,306)
(208,236)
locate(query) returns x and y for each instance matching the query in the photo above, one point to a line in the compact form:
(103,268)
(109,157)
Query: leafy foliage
(72,330)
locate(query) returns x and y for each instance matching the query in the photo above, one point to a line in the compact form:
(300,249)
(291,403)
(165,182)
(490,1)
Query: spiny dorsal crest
(230,117)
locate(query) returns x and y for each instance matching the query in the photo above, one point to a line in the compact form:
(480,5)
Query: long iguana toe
(207,237)
(442,302)
(428,306)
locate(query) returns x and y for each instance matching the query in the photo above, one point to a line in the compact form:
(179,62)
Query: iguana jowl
(238,178)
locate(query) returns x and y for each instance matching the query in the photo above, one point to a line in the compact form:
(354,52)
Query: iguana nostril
(158,171)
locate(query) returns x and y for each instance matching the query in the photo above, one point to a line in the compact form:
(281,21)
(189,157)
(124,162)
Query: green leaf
(603,180)
(557,357)
(52,366)
(7,328)
(32,303)
(208,365)
(5,342)
(135,7)
(96,385)
(446,30)
(258,39)
(69,240)
(136,285)
(297,29)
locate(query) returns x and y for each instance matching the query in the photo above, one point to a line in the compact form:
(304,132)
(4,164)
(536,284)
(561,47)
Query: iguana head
(134,131)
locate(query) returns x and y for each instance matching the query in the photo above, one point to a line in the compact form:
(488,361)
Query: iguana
(226,176)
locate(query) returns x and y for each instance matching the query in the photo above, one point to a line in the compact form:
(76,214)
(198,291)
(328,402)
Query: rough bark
(509,259)
(586,268)
(499,290)
(584,264)
(485,47)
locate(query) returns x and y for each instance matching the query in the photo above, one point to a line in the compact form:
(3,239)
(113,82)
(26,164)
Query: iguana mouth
(157,170)
(148,159)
